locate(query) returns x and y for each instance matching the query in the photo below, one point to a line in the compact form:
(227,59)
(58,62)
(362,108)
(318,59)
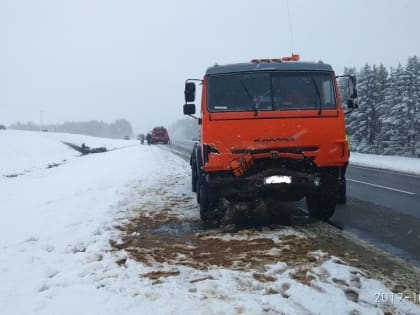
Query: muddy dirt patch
(166,231)
(164,238)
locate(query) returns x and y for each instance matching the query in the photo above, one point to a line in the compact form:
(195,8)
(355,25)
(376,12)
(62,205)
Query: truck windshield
(266,91)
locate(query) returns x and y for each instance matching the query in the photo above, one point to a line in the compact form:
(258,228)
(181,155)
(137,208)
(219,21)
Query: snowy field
(62,222)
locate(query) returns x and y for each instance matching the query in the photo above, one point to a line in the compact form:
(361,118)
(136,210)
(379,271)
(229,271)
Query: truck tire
(342,194)
(322,205)
(208,205)
(342,191)
(193,180)
(196,167)
(193,175)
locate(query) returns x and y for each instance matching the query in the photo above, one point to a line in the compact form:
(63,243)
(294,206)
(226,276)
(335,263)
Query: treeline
(184,129)
(117,129)
(388,118)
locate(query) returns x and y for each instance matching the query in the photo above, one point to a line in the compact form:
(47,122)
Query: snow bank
(392,163)
(26,151)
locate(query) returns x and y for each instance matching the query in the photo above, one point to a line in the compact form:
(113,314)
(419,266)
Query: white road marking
(382,170)
(380,186)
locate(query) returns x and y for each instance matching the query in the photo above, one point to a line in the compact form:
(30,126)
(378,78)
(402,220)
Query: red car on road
(159,135)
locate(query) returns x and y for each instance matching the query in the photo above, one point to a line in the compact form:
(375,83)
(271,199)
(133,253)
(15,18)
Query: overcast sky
(105,60)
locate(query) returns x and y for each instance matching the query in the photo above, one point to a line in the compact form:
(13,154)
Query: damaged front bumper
(279,183)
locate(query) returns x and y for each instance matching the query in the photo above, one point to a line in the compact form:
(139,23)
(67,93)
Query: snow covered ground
(392,163)
(61,222)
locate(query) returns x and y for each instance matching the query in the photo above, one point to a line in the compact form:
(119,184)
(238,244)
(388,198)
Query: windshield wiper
(318,94)
(252,99)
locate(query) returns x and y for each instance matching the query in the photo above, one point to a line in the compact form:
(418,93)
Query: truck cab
(271,129)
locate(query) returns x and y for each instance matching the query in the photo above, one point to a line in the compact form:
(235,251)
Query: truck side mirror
(348,90)
(189,92)
(352,100)
(189,109)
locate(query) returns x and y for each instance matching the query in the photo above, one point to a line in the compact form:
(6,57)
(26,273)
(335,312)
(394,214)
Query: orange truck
(270,129)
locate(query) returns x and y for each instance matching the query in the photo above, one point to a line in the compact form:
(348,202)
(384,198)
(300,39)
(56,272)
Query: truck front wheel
(208,206)
(322,205)
(193,182)
(342,194)
(193,176)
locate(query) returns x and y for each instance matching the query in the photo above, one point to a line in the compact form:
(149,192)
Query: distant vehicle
(2,127)
(84,149)
(126,137)
(159,135)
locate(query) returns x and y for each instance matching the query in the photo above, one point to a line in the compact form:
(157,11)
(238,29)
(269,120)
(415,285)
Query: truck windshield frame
(271,91)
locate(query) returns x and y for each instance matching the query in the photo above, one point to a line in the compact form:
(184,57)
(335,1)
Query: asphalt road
(383,209)
(388,189)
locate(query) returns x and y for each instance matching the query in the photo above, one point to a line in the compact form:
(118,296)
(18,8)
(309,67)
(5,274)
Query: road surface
(383,208)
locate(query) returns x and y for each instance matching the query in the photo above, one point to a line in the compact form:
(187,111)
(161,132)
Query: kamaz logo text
(274,139)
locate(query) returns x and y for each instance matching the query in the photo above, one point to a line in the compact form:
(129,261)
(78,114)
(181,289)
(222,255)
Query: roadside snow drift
(118,233)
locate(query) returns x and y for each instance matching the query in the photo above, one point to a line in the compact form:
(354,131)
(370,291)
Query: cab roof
(269,66)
